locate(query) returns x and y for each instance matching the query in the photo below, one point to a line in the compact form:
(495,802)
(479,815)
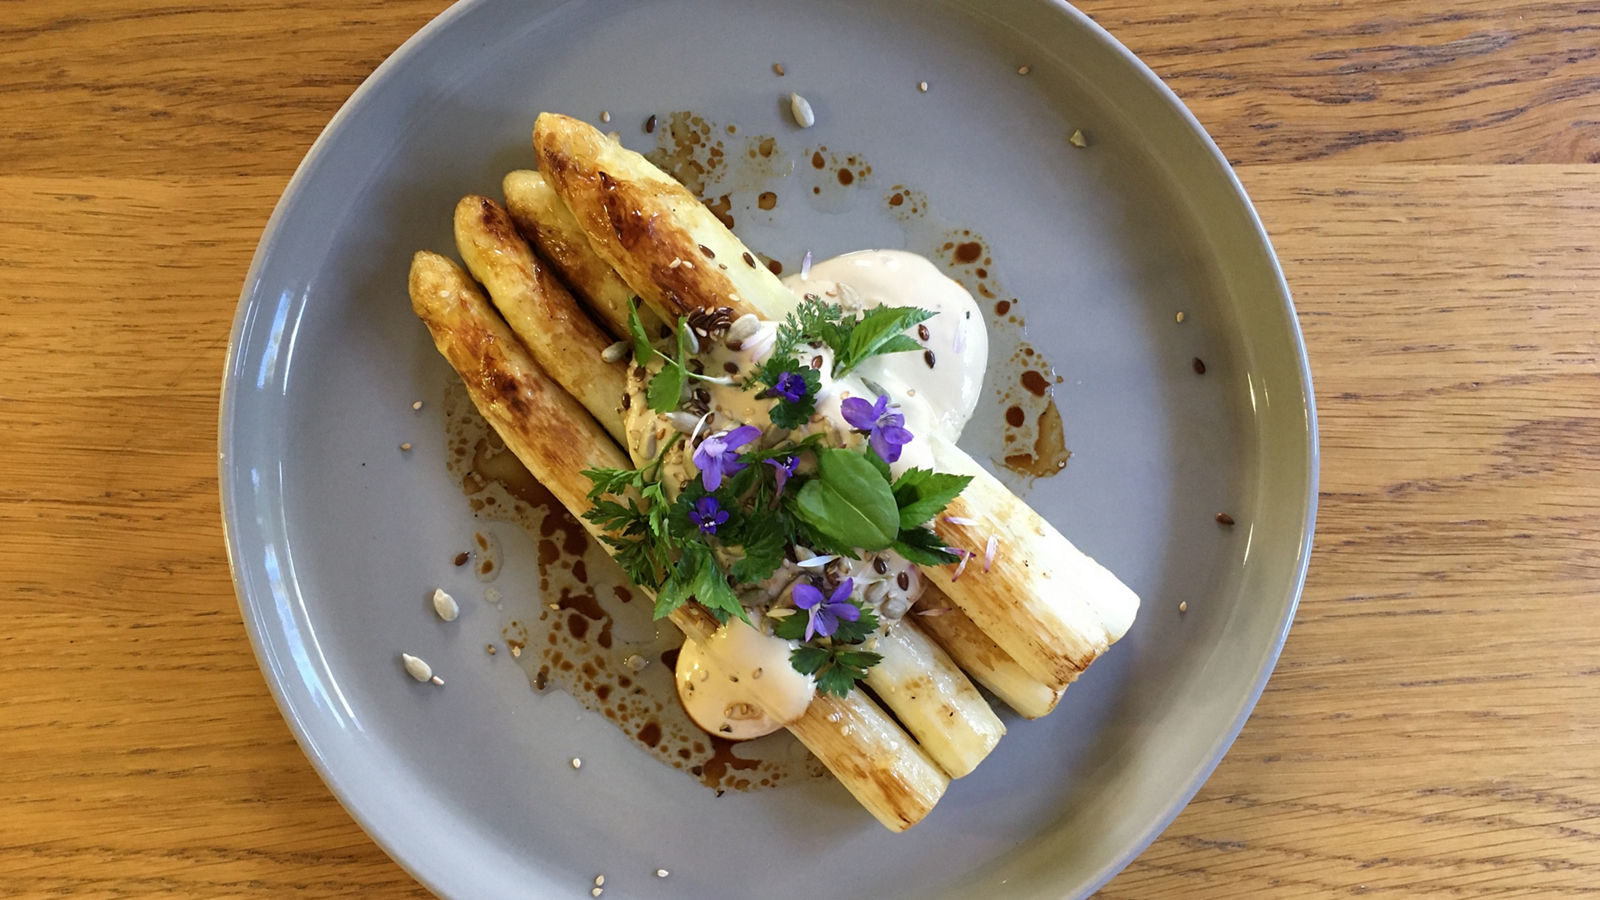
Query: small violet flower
(791,387)
(708,514)
(885,430)
(715,457)
(825,614)
(785,466)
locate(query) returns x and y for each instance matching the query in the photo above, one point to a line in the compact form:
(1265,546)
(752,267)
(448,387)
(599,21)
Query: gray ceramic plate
(334,534)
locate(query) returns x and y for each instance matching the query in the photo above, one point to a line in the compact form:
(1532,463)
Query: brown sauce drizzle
(583,632)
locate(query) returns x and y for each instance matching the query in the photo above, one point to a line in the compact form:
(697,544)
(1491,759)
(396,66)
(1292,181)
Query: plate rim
(254,620)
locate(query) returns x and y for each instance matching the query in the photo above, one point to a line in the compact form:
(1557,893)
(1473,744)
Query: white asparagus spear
(541,312)
(549,226)
(982,658)
(947,711)
(544,219)
(1052,609)
(933,699)
(557,439)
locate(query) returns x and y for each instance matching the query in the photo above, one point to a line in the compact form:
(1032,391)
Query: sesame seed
(1179,317)
(417,405)
(661,873)
(605,116)
(599,881)
(595,892)
(516,653)
(489,649)
(922,86)
(1183,606)
(577,763)
(406,446)
(1023,70)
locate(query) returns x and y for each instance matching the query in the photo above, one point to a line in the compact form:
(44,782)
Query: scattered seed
(801,109)
(577,763)
(676,262)
(516,653)
(462,557)
(489,649)
(922,86)
(778,68)
(1077,139)
(615,352)
(927,357)
(1179,317)
(437,680)
(417,405)
(605,116)
(816,361)
(922,332)
(595,892)
(749,260)
(445,605)
(406,446)
(650,124)
(599,881)
(662,873)
(416,668)
(903,580)
(1199,366)
(1023,70)
(1224,519)
(1183,606)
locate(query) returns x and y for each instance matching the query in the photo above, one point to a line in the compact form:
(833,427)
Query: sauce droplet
(1036,383)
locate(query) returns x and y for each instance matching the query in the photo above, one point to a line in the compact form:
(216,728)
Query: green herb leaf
(880,331)
(789,415)
(711,590)
(807,659)
(849,502)
(857,631)
(641,341)
(923,494)
(923,547)
(843,669)
(666,389)
(791,627)
(763,538)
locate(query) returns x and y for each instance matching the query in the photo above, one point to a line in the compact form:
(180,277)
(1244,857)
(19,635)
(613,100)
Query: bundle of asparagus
(613,227)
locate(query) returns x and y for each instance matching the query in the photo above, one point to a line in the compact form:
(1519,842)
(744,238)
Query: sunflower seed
(445,605)
(416,668)
(615,352)
(801,108)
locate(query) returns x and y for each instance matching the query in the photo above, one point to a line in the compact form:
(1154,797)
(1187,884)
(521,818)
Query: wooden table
(1423,168)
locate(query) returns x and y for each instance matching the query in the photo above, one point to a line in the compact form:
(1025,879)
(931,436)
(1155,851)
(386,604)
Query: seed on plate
(437,680)
(516,651)
(489,649)
(577,763)
(595,892)
(416,668)
(445,605)
(1077,139)
(605,116)
(406,446)
(801,109)
(1224,519)
(922,86)
(1023,70)
(1183,606)
(1179,317)
(417,405)
(778,69)
(662,873)
(599,881)
(615,352)
(1199,366)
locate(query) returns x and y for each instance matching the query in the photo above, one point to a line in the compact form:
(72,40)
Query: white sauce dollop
(738,684)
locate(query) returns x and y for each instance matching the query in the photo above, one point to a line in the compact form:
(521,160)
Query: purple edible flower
(790,387)
(825,614)
(715,457)
(785,466)
(708,514)
(885,430)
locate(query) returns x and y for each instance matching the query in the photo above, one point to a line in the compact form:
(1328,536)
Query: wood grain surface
(1433,729)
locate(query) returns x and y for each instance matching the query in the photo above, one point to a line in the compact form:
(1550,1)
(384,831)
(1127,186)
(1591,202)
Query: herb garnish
(734,525)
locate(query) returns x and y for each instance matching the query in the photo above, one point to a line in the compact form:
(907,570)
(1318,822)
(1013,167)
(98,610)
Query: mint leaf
(849,502)
(922,494)
(641,341)
(878,332)
(923,547)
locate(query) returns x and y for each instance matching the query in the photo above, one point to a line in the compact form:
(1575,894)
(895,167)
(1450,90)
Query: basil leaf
(641,341)
(877,334)
(849,502)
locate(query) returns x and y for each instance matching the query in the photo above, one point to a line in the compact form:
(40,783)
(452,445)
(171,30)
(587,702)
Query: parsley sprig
(837,661)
